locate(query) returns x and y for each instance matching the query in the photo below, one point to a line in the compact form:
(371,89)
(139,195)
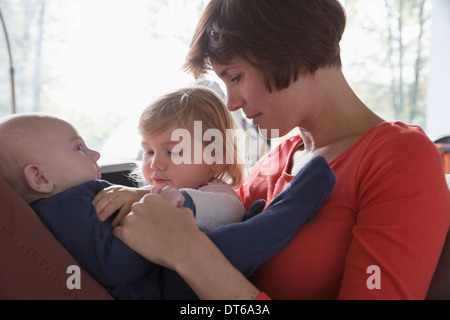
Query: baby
(48,163)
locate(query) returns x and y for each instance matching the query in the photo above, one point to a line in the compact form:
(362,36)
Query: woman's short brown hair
(278,37)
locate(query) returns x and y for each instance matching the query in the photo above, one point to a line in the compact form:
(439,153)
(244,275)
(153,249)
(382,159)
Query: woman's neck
(340,117)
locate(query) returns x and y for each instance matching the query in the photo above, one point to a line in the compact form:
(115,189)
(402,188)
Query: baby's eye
(79,147)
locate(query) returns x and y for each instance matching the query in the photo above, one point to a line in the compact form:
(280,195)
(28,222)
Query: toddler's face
(158,166)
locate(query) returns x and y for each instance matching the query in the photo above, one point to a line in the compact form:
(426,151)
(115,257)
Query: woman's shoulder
(394,146)
(393,132)
(399,143)
(395,137)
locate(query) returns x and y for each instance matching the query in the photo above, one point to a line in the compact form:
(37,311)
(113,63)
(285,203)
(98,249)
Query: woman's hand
(169,236)
(158,231)
(113,198)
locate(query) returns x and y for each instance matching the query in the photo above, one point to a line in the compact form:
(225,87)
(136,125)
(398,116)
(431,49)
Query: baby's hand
(113,198)
(173,195)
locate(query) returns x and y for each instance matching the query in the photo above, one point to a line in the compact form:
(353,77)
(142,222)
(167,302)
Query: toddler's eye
(176,153)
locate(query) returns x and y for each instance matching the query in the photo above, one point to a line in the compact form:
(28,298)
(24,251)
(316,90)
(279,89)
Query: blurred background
(98,63)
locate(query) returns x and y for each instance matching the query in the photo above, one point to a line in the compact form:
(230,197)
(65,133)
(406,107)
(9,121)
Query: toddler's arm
(121,198)
(214,205)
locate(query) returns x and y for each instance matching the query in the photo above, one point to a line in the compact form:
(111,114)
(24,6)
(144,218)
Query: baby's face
(68,160)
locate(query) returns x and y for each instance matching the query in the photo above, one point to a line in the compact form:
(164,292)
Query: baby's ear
(37,179)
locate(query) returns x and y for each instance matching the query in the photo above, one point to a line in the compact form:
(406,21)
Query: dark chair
(440,284)
(443,145)
(34,265)
(443,140)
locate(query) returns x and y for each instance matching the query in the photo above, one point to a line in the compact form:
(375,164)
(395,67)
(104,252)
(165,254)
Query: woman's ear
(37,180)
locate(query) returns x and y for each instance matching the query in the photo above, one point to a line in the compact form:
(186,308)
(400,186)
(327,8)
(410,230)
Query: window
(386,52)
(98,63)
(95,62)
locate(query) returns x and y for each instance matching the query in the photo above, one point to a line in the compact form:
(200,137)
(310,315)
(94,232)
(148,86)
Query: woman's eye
(236,78)
(79,148)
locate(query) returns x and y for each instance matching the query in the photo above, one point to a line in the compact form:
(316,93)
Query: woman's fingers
(157,230)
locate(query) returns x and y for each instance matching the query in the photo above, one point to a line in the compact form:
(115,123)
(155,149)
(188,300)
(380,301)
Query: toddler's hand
(173,195)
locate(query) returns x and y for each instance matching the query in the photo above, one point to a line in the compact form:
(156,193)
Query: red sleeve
(263,181)
(399,232)
(263,296)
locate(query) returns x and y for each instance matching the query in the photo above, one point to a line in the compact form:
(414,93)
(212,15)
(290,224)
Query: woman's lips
(255,118)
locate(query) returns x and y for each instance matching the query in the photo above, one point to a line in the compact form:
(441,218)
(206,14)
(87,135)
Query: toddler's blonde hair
(181,108)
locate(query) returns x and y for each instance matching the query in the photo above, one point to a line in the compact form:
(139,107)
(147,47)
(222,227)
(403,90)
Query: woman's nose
(234,102)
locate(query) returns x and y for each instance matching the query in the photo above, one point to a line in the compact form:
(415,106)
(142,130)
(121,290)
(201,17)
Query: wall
(438,113)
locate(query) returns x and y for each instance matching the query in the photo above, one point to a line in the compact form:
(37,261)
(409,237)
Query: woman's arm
(169,236)
(212,263)
(403,218)
(211,276)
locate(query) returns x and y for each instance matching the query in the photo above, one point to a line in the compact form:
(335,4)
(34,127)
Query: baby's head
(43,155)
(172,159)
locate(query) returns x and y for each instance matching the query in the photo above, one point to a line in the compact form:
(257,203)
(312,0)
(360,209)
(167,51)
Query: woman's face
(246,89)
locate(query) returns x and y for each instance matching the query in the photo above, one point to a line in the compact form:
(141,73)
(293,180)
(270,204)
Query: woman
(382,230)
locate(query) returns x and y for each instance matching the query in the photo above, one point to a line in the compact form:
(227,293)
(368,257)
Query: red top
(390,209)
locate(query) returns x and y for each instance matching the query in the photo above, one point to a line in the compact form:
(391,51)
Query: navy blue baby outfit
(72,218)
